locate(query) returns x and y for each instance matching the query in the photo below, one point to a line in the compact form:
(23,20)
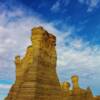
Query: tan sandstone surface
(36,77)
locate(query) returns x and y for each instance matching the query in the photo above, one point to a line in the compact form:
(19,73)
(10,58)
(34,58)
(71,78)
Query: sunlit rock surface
(77,93)
(36,77)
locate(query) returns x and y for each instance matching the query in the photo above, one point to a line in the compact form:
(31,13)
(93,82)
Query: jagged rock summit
(36,77)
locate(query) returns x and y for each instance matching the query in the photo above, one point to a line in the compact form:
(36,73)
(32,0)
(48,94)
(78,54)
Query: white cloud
(92,4)
(81,1)
(57,6)
(5,86)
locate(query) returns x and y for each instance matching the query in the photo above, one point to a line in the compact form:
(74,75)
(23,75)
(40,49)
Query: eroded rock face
(76,93)
(36,77)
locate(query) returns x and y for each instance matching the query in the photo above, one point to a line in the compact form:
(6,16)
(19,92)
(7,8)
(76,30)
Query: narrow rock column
(75,81)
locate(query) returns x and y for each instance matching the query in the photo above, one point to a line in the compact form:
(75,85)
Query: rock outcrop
(76,93)
(36,77)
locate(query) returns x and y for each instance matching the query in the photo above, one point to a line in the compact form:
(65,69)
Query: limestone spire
(66,86)
(36,78)
(75,80)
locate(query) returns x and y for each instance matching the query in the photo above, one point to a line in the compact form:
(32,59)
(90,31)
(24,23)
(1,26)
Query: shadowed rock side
(36,77)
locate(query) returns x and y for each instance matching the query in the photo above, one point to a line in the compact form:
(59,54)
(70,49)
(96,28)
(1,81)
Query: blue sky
(76,24)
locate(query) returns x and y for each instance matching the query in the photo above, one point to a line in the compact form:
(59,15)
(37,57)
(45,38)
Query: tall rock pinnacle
(36,77)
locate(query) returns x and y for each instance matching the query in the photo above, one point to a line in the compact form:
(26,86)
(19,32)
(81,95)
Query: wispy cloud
(4,89)
(57,6)
(5,86)
(92,4)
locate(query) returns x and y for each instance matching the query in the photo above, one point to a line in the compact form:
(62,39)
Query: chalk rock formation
(76,93)
(36,77)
